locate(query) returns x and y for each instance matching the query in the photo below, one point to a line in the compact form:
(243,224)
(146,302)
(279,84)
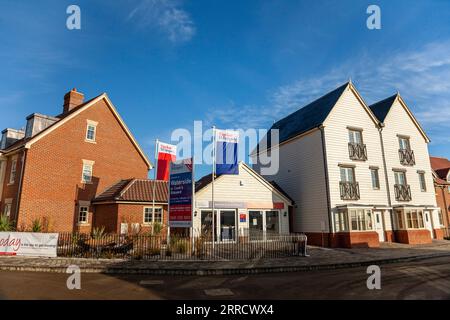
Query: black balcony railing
(349,190)
(402,192)
(357,151)
(407,157)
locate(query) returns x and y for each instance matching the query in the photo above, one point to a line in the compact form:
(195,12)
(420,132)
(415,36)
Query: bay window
(353,220)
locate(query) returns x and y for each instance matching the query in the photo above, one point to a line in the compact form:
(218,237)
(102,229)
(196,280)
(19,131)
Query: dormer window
(91,131)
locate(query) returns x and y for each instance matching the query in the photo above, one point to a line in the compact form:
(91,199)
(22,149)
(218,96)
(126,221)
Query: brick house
(127,206)
(441,175)
(52,170)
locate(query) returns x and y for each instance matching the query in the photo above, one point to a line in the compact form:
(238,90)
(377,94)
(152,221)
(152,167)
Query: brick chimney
(72,99)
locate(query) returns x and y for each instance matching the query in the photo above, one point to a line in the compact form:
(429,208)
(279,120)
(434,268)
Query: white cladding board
(398,122)
(349,112)
(302,175)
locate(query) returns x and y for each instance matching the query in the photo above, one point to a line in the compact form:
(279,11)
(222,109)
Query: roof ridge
(125,189)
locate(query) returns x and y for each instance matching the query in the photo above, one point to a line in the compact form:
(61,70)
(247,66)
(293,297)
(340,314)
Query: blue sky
(166,63)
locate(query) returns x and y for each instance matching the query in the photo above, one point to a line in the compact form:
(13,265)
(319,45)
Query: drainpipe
(327,180)
(19,189)
(380,131)
(443,188)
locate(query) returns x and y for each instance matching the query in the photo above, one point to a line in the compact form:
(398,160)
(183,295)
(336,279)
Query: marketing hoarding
(181,195)
(28,244)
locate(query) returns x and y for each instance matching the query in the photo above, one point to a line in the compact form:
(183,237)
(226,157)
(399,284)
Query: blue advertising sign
(181,194)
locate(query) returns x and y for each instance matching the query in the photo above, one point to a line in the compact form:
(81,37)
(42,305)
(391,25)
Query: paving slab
(319,258)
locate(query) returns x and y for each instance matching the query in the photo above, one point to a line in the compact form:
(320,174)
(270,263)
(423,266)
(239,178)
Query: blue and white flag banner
(227,152)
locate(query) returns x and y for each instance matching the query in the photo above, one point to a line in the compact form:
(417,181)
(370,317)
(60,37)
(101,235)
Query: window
(83,214)
(441,220)
(423,185)
(12,174)
(7,209)
(400,219)
(148,215)
(355,136)
(414,219)
(87,171)
(361,220)
(400,177)
(347,174)
(404,143)
(91,130)
(341,221)
(375,178)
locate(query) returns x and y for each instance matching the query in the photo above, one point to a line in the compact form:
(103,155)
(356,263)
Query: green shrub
(36,226)
(5,224)
(157,228)
(98,233)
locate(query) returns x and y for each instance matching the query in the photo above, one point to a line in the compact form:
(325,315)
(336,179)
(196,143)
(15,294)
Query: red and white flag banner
(166,153)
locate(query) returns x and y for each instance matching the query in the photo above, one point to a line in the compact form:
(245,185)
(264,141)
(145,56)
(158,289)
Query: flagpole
(154,187)
(212,185)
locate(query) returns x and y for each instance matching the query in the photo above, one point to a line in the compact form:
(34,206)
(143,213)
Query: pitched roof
(135,190)
(381,108)
(308,117)
(439,163)
(441,168)
(22,142)
(26,142)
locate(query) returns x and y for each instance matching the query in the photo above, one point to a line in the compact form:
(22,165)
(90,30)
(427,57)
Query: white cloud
(165,15)
(421,75)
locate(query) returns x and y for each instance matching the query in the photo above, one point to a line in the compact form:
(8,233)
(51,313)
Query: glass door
(206,220)
(227,225)
(272,224)
(256,225)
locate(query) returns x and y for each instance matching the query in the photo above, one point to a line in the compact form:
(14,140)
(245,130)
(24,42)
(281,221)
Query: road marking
(219,292)
(432,277)
(240,279)
(151,282)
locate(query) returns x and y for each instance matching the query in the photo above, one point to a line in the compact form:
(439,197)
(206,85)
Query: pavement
(319,259)
(418,279)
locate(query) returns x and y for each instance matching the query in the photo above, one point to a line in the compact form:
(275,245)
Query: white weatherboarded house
(246,205)
(332,163)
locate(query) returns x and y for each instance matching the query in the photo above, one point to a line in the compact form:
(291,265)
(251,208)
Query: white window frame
(7,208)
(91,124)
(13,170)
(86,220)
(87,164)
(422,183)
(152,215)
(354,134)
(375,171)
(409,223)
(404,143)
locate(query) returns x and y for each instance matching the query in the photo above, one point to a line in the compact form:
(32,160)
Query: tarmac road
(425,279)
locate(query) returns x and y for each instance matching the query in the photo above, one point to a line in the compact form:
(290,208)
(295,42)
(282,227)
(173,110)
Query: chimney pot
(72,99)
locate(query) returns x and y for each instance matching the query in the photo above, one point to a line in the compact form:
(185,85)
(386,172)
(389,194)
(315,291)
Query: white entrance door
(379,225)
(427,222)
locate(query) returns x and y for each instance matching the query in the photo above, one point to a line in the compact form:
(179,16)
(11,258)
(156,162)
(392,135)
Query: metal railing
(349,190)
(148,247)
(407,157)
(402,192)
(357,151)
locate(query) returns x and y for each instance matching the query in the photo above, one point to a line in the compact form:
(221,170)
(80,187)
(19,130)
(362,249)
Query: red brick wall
(52,179)
(413,236)
(438,234)
(443,201)
(344,239)
(112,215)
(10,191)
(105,215)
